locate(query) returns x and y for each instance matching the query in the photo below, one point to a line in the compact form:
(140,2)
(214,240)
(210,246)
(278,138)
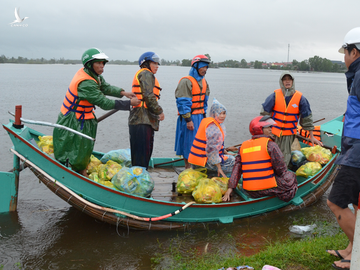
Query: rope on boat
(53,125)
(171,214)
(102,208)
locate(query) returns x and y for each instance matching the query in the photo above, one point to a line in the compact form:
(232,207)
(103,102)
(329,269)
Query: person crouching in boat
(87,89)
(145,117)
(208,146)
(261,164)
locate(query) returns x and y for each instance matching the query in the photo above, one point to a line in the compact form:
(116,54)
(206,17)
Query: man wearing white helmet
(346,187)
(87,89)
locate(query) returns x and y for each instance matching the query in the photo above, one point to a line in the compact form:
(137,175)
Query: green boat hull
(55,174)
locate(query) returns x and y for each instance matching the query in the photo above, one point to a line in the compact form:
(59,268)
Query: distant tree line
(315,63)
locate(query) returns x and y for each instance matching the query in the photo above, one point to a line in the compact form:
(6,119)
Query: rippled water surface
(46,233)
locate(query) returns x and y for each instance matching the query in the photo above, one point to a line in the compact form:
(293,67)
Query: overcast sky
(225,29)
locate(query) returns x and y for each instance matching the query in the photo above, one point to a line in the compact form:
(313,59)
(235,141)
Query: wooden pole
(106,115)
(318,120)
(14,201)
(355,254)
(168,162)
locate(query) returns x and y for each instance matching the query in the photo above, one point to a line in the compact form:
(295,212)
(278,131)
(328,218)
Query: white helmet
(352,37)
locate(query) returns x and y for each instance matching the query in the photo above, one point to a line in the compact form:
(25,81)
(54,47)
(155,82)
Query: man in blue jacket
(346,187)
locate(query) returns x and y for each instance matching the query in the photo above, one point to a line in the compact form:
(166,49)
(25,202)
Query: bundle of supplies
(309,169)
(317,154)
(135,180)
(188,180)
(121,156)
(207,191)
(45,144)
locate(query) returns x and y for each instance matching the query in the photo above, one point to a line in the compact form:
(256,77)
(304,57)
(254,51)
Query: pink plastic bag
(269,267)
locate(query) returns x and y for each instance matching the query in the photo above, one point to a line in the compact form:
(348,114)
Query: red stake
(17,123)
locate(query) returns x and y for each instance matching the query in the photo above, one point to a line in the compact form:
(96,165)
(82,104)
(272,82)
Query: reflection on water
(46,233)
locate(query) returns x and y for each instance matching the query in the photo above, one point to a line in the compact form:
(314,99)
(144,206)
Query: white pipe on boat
(53,125)
(92,204)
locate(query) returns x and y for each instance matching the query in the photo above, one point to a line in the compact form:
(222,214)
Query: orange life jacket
(197,154)
(137,90)
(286,117)
(306,134)
(257,171)
(84,109)
(198,95)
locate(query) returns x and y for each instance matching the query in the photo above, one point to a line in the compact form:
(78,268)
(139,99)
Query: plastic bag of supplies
(317,154)
(45,144)
(95,177)
(121,156)
(207,191)
(297,157)
(188,180)
(135,180)
(222,183)
(309,169)
(108,170)
(93,165)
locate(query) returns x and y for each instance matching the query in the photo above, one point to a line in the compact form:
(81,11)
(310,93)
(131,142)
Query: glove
(123,105)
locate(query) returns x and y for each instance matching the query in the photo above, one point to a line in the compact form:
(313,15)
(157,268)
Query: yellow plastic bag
(207,191)
(95,177)
(309,169)
(317,154)
(108,170)
(93,165)
(188,179)
(45,144)
(222,183)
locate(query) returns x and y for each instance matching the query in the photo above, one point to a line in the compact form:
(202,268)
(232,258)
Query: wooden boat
(165,209)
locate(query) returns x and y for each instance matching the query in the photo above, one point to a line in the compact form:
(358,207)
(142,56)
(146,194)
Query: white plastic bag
(301,229)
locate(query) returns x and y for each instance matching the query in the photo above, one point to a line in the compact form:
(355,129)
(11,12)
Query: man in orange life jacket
(286,107)
(144,118)
(262,166)
(192,94)
(87,89)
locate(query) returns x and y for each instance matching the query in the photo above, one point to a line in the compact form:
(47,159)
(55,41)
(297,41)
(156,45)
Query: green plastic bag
(309,169)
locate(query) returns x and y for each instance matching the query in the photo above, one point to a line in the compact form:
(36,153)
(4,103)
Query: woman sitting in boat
(261,164)
(87,89)
(208,146)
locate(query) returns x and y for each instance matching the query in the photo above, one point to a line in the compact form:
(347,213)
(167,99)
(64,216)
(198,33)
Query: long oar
(319,120)
(168,162)
(241,143)
(106,115)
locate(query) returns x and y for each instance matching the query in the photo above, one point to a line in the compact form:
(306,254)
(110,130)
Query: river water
(46,233)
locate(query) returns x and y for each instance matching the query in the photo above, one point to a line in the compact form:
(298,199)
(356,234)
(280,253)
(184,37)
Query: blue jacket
(350,142)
